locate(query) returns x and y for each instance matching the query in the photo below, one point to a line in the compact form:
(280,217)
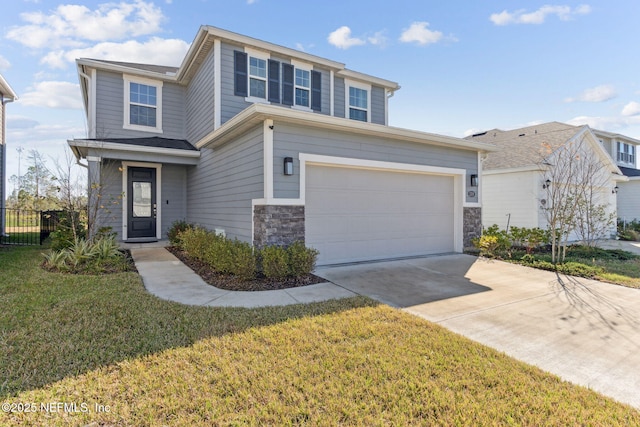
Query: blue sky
(464,66)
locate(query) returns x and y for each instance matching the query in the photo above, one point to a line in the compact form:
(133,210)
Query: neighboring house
(271,145)
(6,95)
(516,177)
(624,150)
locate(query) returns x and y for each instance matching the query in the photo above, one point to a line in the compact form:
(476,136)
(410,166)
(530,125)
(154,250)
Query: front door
(141,201)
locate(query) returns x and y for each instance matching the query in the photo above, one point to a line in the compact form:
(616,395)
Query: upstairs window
(626,153)
(358,103)
(303,85)
(257,77)
(143,104)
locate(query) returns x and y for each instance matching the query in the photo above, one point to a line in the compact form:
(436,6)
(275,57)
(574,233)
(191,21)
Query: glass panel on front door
(141,199)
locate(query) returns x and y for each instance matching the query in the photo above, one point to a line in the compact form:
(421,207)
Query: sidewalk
(166,277)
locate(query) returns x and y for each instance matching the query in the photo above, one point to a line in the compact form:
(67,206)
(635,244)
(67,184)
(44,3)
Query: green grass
(103,340)
(23,238)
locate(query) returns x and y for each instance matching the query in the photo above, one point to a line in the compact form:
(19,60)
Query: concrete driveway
(584,331)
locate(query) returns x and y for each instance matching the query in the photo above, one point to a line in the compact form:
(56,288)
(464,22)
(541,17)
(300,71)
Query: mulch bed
(232,283)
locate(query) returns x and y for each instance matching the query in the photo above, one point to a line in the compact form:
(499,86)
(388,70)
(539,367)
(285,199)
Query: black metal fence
(27,227)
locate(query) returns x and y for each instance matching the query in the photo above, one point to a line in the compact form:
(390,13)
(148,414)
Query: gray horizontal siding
(200,101)
(110,109)
(173,195)
(290,140)
(377,105)
(106,181)
(222,186)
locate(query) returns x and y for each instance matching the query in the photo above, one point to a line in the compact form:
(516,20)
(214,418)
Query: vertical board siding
(173,195)
(339,97)
(222,186)
(110,109)
(377,105)
(200,101)
(290,140)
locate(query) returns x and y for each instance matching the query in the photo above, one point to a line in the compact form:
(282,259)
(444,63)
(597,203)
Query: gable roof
(203,44)
(532,145)
(526,146)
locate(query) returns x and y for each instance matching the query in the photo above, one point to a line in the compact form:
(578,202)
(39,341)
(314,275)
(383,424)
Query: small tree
(575,199)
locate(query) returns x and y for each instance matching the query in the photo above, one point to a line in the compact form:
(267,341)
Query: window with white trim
(143,104)
(302,87)
(626,153)
(257,77)
(358,101)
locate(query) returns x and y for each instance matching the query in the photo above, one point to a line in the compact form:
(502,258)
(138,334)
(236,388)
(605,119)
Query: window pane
(357,97)
(302,78)
(257,67)
(142,199)
(355,114)
(257,88)
(142,94)
(143,116)
(302,97)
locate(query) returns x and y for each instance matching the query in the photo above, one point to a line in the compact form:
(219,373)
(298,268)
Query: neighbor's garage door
(360,214)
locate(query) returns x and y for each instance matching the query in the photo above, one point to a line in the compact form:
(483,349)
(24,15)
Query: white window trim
(624,151)
(306,67)
(364,86)
(125,192)
(127,103)
(265,57)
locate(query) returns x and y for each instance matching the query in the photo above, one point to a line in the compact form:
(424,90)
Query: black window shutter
(316,91)
(287,84)
(240,73)
(274,81)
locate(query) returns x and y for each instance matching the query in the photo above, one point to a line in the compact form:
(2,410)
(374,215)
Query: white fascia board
(6,90)
(529,168)
(599,149)
(365,78)
(255,113)
(270,47)
(126,70)
(78,144)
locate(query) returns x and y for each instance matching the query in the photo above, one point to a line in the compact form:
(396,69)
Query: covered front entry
(357,214)
(141,203)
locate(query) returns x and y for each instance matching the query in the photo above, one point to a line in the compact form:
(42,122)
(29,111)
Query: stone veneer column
(471,225)
(279,225)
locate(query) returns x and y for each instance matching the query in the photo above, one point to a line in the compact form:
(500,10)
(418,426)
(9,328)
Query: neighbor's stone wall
(471,226)
(277,225)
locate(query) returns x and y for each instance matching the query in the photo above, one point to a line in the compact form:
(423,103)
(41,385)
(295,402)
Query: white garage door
(359,214)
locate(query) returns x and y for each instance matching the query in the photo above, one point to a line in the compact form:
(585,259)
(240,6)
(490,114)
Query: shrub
(176,229)
(302,260)
(275,262)
(243,262)
(579,269)
(89,257)
(68,230)
(196,242)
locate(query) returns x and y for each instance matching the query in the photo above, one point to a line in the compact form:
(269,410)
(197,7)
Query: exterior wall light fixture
(546,184)
(288,166)
(474,180)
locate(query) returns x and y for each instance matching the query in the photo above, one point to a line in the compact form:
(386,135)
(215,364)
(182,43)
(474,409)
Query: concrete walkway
(168,278)
(584,331)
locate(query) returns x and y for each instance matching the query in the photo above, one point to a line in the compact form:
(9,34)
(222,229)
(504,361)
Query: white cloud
(378,39)
(4,63)
(20,122)
(154,51)
(341,38)
(605,123)
(74,25)
(600,93)
(419,33)
(564,13)
(52,94)
(631,109)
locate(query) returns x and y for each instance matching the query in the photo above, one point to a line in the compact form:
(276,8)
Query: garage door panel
(360,214)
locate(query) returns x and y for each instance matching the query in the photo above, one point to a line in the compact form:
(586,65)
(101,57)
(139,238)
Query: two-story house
(623,150)
(6,95)
(271,145)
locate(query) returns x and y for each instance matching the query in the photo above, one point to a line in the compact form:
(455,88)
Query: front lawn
(124,357)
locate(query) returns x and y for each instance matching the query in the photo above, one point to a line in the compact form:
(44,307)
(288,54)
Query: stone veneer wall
(277,225)
(471,226)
